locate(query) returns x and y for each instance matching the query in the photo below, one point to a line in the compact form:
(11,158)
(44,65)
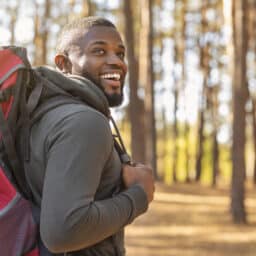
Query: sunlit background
(198,49)
(179,42)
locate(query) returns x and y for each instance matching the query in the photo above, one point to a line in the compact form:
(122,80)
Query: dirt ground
(192,220)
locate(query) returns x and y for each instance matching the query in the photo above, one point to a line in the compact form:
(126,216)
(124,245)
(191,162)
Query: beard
(115,99)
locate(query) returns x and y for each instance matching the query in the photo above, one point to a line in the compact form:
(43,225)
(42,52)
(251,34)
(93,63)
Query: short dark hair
(81,23)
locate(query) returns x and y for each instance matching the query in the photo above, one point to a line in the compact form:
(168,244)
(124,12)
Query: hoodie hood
(77,87)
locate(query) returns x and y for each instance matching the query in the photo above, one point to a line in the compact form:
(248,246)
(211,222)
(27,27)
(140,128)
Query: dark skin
(98,54)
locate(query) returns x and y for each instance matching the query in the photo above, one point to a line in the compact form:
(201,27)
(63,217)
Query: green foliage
(165,158)
(225,163)
(165,147)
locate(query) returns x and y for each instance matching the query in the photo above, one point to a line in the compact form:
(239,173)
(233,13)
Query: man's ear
(63,63)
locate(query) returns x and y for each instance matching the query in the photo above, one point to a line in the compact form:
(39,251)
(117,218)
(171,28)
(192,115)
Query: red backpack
(18,230)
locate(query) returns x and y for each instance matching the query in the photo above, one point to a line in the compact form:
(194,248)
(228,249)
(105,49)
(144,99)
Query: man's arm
(78,149)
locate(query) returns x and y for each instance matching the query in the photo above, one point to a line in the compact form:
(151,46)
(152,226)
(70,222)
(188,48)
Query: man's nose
(114,59)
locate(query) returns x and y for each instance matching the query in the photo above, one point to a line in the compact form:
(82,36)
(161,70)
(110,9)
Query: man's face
(98,54)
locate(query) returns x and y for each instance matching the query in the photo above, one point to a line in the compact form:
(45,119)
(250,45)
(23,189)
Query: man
(86,195)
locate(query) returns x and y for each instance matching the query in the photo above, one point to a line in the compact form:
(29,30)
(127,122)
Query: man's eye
(98,51)
(121,55)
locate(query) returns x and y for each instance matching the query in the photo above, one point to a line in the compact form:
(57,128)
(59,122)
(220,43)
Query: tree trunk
(254,137)
(204,63)
(175,135)
(215,157)
(164,139)
(179,77)
(87,9)
(14,15)
(187,145)
(183,82)
(45,30)
(253,48)
(41,34)
(215,145)
(147,79)
(36,60)
(136,107)
(239,100)
(200,142)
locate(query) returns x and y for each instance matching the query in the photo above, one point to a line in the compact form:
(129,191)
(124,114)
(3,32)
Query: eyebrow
(104,43)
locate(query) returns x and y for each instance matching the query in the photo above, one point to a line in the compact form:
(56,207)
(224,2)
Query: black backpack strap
(119,145)
(125,158)
(28,107)
(35,95)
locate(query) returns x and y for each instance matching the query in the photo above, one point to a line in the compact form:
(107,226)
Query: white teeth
(115,76)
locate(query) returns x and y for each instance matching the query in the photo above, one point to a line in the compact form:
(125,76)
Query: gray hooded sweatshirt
(75,174)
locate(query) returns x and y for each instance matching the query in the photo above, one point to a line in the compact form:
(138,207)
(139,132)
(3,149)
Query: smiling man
(97,54)
(86,193)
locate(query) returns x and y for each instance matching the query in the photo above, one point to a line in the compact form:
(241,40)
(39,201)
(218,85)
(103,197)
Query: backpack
(20,92)
(19,232)
(21,89)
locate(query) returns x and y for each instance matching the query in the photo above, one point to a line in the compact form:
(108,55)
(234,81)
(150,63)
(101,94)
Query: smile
(113,76)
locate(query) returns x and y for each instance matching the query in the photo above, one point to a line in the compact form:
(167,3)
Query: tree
(214,89)
(136,107)
(88,8)
(254,138)
(252,48)
(215,144)
(147,79)
(14,14)
(179,77)
(204,64)
(239,100)
(41,33)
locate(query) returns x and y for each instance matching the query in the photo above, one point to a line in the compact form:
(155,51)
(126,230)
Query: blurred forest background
(190,99)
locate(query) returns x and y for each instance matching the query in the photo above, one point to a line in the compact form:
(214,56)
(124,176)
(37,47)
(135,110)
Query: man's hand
(142,175)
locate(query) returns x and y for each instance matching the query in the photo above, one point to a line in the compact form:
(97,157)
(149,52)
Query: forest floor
(192,220)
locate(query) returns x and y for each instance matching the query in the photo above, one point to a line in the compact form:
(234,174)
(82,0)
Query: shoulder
(75,120)
(76,112)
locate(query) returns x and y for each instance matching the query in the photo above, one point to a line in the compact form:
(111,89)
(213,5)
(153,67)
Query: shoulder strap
(119,145)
